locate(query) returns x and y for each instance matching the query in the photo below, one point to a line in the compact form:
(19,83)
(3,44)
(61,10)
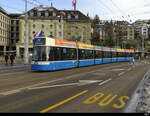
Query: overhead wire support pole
(26,39)
(143,49)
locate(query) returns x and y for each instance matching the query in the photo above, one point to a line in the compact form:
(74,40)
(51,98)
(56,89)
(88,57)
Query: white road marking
(129,69)
(69,77)
(80,83)
(85,82)
(121,73)
(116,69)
(23,88)
(10,92)
(61,85)
(105,81)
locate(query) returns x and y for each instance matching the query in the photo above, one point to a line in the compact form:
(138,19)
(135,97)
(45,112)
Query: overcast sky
(106,9)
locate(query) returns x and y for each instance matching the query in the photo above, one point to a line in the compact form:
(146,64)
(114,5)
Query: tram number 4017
(107,100)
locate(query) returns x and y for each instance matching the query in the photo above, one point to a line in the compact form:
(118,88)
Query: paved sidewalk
(15,68)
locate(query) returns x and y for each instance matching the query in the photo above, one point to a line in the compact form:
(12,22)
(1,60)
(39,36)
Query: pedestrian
(6,59)
(12,57)
(133,60)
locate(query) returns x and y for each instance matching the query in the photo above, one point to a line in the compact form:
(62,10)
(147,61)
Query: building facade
(4,31)
(71,25)
(130,32)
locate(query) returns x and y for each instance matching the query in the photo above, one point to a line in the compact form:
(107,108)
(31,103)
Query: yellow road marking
(107,100)
(62,102)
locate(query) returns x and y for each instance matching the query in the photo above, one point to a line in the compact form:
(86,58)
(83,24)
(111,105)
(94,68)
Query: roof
(2,10)
(58,13)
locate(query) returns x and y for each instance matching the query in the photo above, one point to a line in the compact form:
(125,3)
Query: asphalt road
(101,88)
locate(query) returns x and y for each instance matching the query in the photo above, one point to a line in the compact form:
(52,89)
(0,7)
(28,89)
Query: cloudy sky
(106,9)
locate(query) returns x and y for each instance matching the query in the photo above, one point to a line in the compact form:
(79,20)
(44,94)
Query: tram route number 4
(107,100)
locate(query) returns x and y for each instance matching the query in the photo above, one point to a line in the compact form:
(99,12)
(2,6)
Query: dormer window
(69,16)
(43,13)
(31,14)
(39,14)
(46,14)
(35,13)
(50,13)
(76,17)
(54,14)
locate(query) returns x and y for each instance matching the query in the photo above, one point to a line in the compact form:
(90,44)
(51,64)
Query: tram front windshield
(39,53)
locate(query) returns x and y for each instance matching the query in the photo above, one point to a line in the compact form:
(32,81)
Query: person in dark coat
(12,57)
(6,59)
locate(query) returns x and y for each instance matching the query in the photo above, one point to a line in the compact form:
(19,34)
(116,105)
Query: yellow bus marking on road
(93,98)
(122,102)
(62,102)
(107,100)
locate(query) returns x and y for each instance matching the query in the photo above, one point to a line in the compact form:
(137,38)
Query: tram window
(51,56)
(107,54)
(119,54)
(114,54)
(81,54)
(89,54)
(68,53)
(98,54)
(57,54)
(86,54)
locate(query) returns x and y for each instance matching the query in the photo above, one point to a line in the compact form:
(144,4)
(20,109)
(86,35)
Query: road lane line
(105,81)
(121,73)
(10,92)
(61,85)
(47,82)
(129,69)
(63,102)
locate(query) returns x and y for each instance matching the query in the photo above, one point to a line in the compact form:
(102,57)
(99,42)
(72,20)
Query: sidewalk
(14,68)
(18,66)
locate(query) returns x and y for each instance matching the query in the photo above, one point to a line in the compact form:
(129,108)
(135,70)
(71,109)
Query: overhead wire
(7,6)
(108,8)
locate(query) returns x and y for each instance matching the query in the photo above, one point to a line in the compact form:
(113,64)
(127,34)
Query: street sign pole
(26,44)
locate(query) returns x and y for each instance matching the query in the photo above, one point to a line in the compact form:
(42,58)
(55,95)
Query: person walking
(12,57)
(6,59)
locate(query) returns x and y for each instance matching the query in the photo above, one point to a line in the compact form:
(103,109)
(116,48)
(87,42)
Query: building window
(51,34)
(39,14)
(35,13)
(42,26)
(46,14)
(17,28)
(34,25)
(51,26)
(69,16)
(76,17)
(31,13)
(43,14)
(60,34)
(33,32)
(50,13)
(12,28)
(60,26)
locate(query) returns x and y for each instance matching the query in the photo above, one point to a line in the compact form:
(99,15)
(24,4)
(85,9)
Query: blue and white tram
(50,54)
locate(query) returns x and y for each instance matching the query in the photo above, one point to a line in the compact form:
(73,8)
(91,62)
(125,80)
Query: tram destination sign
(39,41)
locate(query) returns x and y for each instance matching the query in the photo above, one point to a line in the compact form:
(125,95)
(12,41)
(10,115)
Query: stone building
(4,31)
(68,25)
